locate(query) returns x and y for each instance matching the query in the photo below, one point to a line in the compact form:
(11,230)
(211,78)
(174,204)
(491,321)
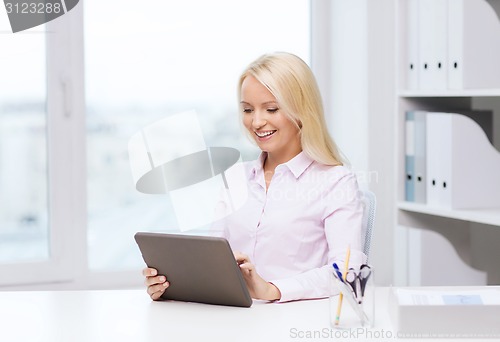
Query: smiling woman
(285,245)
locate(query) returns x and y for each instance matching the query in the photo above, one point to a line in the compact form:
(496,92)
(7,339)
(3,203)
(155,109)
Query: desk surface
(129,315)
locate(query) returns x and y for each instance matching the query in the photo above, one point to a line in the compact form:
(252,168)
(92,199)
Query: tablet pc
(199,268)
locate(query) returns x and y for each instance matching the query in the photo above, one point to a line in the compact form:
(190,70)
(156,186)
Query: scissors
(358,281)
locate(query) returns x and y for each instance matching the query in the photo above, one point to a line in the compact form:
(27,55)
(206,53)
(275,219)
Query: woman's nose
(259,120)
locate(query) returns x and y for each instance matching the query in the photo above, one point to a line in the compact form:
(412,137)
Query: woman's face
(267,123)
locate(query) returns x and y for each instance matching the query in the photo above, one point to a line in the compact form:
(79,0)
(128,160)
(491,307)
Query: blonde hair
(292,83)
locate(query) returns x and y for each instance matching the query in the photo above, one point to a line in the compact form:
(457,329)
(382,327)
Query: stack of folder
(450,161)
(451,44)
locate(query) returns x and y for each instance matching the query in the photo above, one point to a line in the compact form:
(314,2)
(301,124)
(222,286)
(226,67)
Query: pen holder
(355,308)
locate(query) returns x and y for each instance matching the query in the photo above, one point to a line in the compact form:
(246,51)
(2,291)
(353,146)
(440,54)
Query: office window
(38,225)
(24,234)
(145,61)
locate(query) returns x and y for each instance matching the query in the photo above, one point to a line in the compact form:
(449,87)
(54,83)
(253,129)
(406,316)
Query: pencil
(341,297)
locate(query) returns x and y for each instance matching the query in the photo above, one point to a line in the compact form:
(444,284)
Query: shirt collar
(297,165)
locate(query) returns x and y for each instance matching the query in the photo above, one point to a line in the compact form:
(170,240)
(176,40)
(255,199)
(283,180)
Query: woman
(303,210)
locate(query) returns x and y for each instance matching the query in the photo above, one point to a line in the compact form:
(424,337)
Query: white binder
(474,45)
(412,45)
(462,165)
(438,151)
(433,45)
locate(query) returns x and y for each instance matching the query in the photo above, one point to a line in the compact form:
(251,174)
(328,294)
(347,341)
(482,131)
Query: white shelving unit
(430,238)
(450,93)
(483,216)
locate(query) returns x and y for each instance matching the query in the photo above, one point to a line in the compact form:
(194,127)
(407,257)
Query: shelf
(451,93)
(485,216)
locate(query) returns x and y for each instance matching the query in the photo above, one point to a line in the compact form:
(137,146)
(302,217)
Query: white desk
(129,315)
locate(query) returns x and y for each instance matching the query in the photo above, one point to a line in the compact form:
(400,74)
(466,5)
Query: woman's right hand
(157,284)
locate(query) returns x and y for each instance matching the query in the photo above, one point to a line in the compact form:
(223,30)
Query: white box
(445,311)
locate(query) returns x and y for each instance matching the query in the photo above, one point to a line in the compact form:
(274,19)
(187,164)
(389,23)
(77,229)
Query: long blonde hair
(292,83)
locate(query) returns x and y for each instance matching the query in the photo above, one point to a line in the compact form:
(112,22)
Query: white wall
(354,60)
(349,79)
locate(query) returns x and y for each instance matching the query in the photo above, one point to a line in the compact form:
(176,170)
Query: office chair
(369,206)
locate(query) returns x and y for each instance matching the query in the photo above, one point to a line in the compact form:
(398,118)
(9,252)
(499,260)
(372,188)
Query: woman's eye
(273,110)
(247,110)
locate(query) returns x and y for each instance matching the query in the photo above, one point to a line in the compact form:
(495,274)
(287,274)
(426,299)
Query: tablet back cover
(199,268)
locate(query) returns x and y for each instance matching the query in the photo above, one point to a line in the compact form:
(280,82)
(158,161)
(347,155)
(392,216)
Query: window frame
(65,131)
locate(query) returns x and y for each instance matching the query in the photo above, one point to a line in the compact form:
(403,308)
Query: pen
(337,271)
(346,267)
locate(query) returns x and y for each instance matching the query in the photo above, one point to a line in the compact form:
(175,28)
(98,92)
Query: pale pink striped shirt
(305,221)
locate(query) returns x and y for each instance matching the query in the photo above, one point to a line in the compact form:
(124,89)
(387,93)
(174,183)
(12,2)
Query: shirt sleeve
(342,220)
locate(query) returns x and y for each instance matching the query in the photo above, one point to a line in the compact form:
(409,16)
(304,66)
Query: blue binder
(410,156)
(420,163)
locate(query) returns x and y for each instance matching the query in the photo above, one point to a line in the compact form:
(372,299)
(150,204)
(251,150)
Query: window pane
(146,62)
(23,154)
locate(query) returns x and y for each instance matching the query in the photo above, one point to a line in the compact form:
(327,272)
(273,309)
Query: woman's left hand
(258,287)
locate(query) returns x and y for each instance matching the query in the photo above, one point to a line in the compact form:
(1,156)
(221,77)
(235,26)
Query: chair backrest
(369,207)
